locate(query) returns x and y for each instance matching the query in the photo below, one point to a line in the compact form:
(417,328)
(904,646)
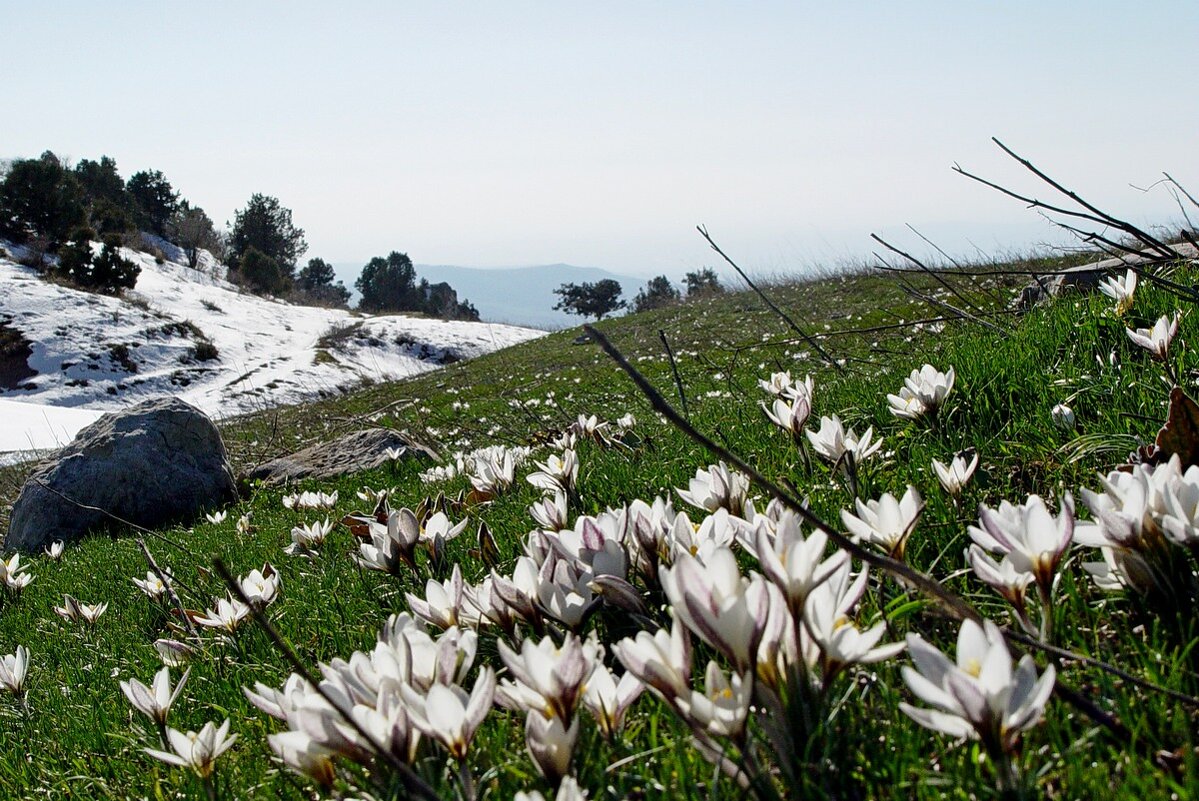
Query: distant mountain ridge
(515,295)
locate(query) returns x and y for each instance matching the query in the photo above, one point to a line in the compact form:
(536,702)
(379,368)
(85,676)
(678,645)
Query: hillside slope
(193,334)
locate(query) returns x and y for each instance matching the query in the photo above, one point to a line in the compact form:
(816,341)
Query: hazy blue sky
(602,133)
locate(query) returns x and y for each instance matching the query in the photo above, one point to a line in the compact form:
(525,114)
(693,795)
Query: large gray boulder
(358,450)
(158,462)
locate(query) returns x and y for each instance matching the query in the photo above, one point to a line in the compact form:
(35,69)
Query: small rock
(158,462)
(360,450)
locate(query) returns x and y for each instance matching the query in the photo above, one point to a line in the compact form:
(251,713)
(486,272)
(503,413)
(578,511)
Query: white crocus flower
(777,384)
(437,530)
(280,704)
(833,442)
(979,696)
(261,587)
(1181,520)
(547,678)
(174,653)
(391,545)
(216,517)
(1157,339)
(54,550)
(16,582)
(196,750)
(228,615)
(151,585)
(955,475)
(74,610)
(564,592)
(494,473)
(551,744)
(1120,290)
(1130,524)
(721,709)
(442,602)
(608,699)
(886,522)
(450,716)
(591,427)
(828,619)
(306,539)
(931,385)
(13,575)
(794,563)
(717,487)
(1063,417)
(716,602)
(1029,535)
(551,512)
(1003,577)
(684,537)
(155,701)
(305,755)
(593,544)
(13,668)
(661,660)
(790,414)
(1119,570)
(923,393)
(520,591)
(1129,512)
(557,473)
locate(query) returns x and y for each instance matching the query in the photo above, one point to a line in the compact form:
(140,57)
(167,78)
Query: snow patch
(190,333)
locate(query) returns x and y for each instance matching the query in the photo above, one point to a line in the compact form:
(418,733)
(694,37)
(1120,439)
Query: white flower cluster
(310,500)
(1143,519)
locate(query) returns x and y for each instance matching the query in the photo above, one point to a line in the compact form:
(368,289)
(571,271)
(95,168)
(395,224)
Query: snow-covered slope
(190,333)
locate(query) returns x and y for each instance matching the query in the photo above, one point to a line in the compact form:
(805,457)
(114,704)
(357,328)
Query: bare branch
(938,278)
(794,326)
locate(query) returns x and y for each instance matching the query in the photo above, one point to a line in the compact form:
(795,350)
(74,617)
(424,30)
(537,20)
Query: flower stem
(1046,612)
(162,734)
(467,780)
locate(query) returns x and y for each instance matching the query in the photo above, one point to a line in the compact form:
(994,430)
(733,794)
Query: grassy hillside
(83,739)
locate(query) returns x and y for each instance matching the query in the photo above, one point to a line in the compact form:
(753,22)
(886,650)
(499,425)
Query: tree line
(57,211)
(601,298)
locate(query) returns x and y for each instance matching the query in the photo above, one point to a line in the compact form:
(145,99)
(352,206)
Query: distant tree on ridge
(315,283)
(155,201)
(590,299)
(702,282)
(657,292)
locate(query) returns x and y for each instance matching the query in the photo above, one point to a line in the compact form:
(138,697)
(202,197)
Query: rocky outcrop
(360,450)
(1086,277)
(158,462)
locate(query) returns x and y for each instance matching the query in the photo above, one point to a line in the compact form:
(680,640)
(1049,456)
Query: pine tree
(656,293)
(265,225)
(154,201)
(389,284)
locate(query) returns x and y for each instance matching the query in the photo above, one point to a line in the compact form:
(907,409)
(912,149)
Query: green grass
(81,739)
